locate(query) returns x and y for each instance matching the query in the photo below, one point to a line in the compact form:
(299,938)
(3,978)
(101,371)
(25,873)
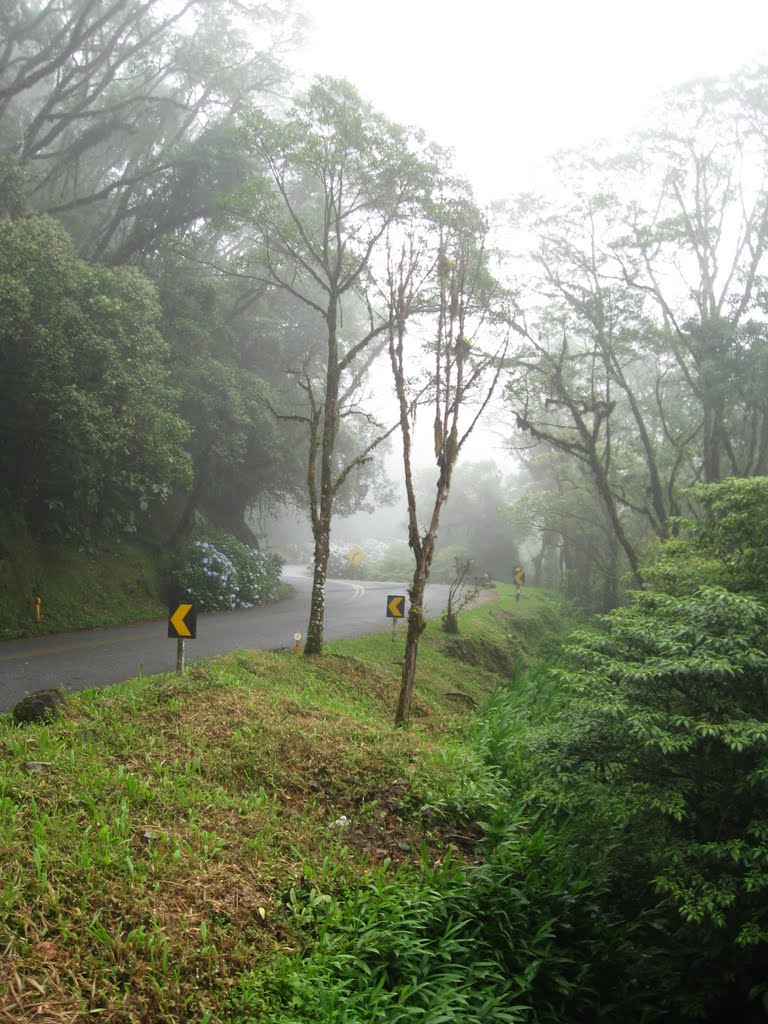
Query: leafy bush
(726,546)
(228,574)
(670,710)
(647,754)
(86,370)
(662,759)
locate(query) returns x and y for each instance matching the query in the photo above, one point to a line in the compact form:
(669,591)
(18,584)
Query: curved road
(98,657)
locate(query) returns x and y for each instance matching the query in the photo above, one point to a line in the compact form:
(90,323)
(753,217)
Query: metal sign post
(395,610)
(182,625)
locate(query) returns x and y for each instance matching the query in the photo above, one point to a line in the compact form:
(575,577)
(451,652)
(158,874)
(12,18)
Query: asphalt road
(98,657)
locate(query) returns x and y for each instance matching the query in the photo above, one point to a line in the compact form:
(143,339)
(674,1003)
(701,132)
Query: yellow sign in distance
(519,576)
(356,557)
(395,606)
(177,626)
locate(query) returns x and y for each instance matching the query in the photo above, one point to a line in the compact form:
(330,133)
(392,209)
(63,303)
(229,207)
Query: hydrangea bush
(228,574)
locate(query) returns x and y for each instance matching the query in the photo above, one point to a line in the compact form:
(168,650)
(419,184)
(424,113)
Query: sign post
(182,625)
(297,641)
(395,610)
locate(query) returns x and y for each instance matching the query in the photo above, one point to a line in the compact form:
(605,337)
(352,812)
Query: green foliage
(135,138)
(228,574)
(390,951)
(663,753)
(240,455)
(512,716)
(88,435)
(727,543)
(12,180)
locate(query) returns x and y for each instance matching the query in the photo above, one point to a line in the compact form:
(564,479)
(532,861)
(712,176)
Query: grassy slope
(78,589)
(147,868)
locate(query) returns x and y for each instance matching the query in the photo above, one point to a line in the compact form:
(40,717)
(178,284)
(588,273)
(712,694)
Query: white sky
(506,83)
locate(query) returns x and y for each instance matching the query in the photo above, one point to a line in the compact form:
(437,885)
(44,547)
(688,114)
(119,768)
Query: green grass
(78,589)
(148,870)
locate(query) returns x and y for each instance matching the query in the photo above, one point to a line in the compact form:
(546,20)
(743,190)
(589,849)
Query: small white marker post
(180,656)
(297,640)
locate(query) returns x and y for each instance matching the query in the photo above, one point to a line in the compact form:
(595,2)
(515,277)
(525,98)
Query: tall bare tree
(338,176)
(468,332)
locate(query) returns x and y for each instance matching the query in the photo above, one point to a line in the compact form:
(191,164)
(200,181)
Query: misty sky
(506,83)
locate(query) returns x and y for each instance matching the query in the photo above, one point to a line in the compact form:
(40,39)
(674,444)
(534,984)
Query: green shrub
(228,574)
(662,757)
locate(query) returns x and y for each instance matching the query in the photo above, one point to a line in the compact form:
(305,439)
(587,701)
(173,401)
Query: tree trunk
(609,503)
(322,512)
(314,644)
(416,625)
(538,563)
(182,529)
(321,529)
(611,579)
(654,477)
(711,446)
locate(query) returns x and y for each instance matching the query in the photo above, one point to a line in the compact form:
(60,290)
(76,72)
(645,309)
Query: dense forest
(207,272)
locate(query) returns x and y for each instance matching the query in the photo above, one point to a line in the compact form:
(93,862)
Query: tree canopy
(643,335)
(117,115)
(90,430)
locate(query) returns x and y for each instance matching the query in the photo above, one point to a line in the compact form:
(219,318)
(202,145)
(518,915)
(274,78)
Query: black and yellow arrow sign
(519,576)
(182,621)
(395,606)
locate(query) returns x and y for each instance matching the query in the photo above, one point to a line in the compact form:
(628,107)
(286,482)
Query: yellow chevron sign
(356,557)
(519,576)
(395,606)
(182,621)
